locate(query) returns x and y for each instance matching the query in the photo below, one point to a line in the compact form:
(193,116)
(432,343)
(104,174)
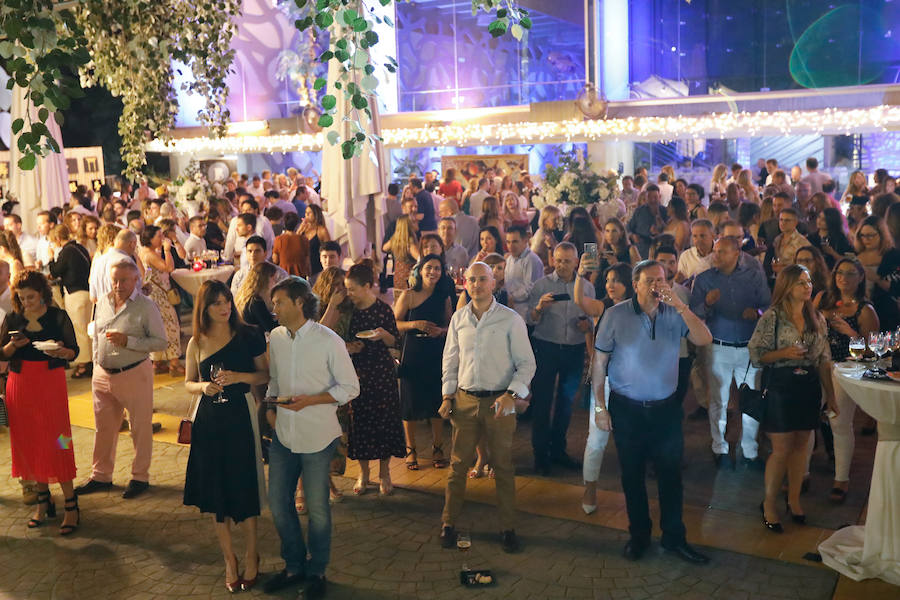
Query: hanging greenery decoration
(128,46)
(353,38)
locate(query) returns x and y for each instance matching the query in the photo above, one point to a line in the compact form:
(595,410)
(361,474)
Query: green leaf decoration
(326,121)
(347,149)
(324,20)
(525,22)
(319,84)
(27,162)
(329,102)
(17,125)
(333,137)
(359,102)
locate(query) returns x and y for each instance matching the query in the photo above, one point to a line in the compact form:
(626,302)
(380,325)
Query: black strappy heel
(71,505)
(43,498)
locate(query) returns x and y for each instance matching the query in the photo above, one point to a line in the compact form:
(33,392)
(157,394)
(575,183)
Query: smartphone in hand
(590,250)
(561,297)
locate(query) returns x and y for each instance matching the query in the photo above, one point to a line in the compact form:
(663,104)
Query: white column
(614,50)
(605,156)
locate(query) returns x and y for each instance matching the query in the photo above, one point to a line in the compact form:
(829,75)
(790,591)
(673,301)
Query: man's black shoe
(510,541)
(721,461)
(281,581)
(135,488)
(756,464)
(686,553)
(316,588)
(448,536)
(634,549)
(566,461)
(92,485)
(699,414)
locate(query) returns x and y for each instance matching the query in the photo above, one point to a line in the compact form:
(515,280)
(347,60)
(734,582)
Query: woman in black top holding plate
(38,341)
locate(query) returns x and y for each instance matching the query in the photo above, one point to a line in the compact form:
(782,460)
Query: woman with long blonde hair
(791,342)
(544,239)
(405,251)
(718,186)
(855,187)
(253,299)
(491,215)
(745,182)
(106,235)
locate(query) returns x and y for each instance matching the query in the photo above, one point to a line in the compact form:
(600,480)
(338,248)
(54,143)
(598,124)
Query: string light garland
(652,129)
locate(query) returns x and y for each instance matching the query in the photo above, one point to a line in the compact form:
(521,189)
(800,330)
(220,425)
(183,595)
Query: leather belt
(483,393)
(730,344)
(123,369)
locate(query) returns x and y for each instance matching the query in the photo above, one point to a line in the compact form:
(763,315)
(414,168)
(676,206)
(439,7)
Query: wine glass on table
(215,370)
(876,345)
(463,544)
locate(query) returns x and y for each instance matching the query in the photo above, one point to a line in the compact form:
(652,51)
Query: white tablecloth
(873,550)
(190,280)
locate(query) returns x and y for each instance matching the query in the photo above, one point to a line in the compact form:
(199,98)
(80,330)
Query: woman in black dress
(423,314)
(375,430)
(224,472)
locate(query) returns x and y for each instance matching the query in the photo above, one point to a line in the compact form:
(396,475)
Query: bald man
(481,402)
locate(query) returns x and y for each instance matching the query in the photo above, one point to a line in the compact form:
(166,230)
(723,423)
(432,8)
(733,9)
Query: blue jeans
(285,468)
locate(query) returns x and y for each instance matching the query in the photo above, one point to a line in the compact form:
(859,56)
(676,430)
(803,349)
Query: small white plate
(367,334)
(45,345)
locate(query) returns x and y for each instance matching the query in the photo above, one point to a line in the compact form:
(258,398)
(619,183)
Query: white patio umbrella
(349,185)
(45,186)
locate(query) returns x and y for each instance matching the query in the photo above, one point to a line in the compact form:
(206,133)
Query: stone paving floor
(383,548)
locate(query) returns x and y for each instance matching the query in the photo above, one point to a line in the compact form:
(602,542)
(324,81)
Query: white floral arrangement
(191,191)
(574,183)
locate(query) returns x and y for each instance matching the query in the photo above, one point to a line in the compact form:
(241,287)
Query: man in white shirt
(254,253)
(612,208)
(698,257)
(487,367)
(256,189)
(261,227)
(43,254)
(467,229)
(311,374)
(244,226)
(523,268)
(455,255)
(665,189)
(27,242)
(195,244)
(123,249)
(477,198)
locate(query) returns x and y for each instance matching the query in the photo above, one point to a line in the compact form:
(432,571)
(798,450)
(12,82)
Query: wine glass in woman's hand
(214,370)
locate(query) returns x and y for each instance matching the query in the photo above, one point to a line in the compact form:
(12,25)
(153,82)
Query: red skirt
(40,434)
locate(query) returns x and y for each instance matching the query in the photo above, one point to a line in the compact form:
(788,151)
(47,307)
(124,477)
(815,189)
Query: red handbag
(184,432)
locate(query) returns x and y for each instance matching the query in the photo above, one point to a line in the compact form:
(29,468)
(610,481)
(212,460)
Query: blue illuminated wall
(765,44)
(448,59)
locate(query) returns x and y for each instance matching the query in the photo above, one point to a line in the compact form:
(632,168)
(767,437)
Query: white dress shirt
(42,251)
(28,245)
(613,208)
(100,281)
(521,273)
(194,246)
(690,263)
(314,360)
(489,354)
(263,228)
(665,192)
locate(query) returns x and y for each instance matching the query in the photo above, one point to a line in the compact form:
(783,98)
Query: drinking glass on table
(214,370)
(876,345)
(857,350)
(464,543)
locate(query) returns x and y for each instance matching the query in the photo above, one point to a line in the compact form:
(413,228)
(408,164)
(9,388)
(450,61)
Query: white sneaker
(588,510)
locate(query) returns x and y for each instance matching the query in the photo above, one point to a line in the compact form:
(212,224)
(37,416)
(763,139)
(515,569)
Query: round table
(873,550)
(190,280)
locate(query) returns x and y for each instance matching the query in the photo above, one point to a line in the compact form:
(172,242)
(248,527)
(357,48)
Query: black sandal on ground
(49,513)
(442,462)
(71,505)
(412,465)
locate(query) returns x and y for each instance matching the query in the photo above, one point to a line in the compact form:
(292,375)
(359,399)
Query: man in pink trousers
(127,327)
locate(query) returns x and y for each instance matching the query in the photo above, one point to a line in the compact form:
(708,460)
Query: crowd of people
(485,312)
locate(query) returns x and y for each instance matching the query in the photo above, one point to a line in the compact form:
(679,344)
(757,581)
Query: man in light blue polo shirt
(637,347)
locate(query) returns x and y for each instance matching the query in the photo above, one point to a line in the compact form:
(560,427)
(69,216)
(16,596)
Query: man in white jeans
(730,297)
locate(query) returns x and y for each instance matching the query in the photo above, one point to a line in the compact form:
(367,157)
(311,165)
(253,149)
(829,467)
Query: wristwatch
(514,395)
(599,409)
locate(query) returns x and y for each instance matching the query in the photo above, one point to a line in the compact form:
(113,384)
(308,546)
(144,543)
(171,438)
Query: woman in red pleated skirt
(36,395)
